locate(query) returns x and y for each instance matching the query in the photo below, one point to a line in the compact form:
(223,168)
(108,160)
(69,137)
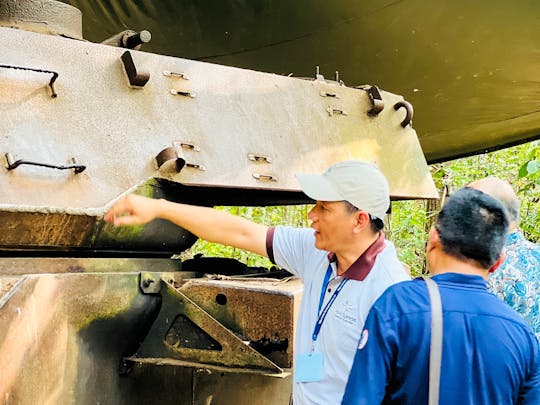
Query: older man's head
(503,192)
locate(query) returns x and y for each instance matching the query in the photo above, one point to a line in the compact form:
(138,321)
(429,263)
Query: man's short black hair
(375,223)
(473,226)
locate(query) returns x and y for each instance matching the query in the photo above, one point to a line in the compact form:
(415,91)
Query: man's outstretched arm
(206,223)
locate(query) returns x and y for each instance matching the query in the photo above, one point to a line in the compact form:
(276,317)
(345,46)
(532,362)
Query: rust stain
(27,325)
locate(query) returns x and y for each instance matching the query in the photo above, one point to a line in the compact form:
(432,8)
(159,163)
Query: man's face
(333,225)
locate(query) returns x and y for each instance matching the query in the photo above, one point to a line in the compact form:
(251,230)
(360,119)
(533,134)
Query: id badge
(308,367)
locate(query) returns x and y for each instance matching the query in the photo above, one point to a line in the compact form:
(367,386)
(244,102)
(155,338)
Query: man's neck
(447,264)
(350,254)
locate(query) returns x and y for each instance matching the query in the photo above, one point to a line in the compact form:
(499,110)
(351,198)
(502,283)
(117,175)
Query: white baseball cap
(360,183)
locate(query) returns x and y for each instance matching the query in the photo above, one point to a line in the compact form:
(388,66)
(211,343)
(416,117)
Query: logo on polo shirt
(347,313)
(363,339)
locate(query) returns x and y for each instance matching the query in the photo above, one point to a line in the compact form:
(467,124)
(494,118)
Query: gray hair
(502,191)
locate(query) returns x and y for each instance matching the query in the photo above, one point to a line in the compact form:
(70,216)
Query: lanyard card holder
(309,367)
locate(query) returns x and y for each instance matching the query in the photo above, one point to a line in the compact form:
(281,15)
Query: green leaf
(523,171)
(533,166)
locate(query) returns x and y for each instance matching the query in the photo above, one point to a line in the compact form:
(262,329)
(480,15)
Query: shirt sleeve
(530,393)
(371,370)
(293,249)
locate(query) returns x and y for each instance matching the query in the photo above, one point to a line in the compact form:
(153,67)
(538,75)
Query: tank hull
(72,331)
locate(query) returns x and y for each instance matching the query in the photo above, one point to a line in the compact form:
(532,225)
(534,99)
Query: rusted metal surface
(262,312)
(17,266)
(64,339)
(46,228)
(6,284)
(187,386)
(227,389)
(185,334)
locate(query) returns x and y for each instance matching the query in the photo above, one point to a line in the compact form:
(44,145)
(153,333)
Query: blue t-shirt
(490,355)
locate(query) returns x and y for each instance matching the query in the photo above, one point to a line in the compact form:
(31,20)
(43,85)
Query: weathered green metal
(186,334)
(67,338)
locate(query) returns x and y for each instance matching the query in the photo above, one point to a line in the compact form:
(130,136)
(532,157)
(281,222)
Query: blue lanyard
(322,315)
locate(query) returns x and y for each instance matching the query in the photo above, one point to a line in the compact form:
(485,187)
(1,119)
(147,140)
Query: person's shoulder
(389,266)
(409,296)
(293,233)
(513,321)
(518,241)
(533,247)
(522,259)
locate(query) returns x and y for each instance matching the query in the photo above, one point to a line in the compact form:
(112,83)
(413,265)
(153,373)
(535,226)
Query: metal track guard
(185,335)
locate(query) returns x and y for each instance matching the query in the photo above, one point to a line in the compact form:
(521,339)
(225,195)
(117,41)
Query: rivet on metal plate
(332,111)
(264,177)
(175,74)
(196,166)
(259,158)
(187,146)
(182,93)
(328,94)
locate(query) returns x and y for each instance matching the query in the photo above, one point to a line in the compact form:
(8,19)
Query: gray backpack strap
(435,350)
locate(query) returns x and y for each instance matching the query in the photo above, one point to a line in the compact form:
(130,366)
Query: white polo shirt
(294,249)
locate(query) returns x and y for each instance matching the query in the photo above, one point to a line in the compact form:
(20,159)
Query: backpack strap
(435,350)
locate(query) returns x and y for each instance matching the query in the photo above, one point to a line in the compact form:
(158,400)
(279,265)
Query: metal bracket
(182,93)
(197,166)
(409,112)
(264,177)
(150,283)
(136,78)
(175,74)
(375,99)
(187,146)
(332,111)
(11,164)
(328,94)
(51,82)
(183,334)
(318,75)
(171,154)
(259,158)
(176,92)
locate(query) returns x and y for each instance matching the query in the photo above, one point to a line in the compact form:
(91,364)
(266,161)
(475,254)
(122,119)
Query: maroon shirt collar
(363,265)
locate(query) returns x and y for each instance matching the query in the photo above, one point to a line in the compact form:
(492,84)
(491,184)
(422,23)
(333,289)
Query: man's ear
(434,239)
(498,263)
(361,220)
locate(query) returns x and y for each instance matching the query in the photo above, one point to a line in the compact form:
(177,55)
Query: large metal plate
(117,131)
(472,92)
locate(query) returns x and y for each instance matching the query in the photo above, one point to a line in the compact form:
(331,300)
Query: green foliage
(406,227)
(271,215)
(409,223)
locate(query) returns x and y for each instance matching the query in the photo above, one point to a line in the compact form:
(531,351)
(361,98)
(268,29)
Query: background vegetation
(409,221)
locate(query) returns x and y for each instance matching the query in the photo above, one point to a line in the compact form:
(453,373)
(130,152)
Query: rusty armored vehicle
(93,314)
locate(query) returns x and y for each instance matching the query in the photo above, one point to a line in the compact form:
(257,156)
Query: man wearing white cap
(345,265)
